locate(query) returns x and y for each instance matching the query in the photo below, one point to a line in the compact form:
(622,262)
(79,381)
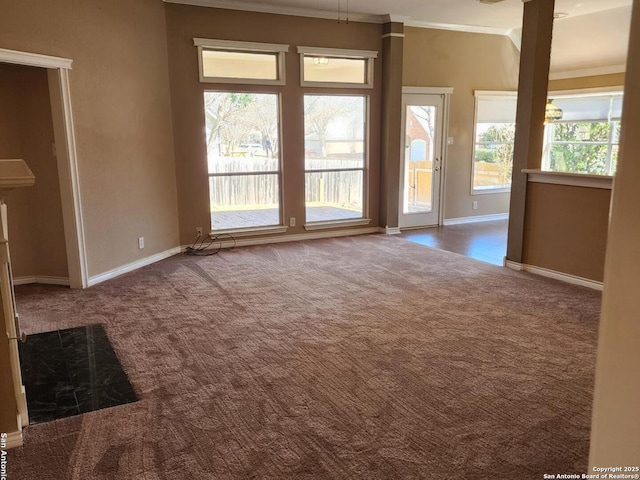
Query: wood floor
(485,241)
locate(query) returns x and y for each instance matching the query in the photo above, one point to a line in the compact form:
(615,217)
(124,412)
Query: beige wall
(613,80)
(566,229)
(615,434)
(467,62)
(11,147)
(121,107)
(36,231)
(183,24)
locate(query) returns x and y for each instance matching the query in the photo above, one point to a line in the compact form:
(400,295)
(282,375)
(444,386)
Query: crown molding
(516,37)
(393,18)
(588,72)
(459,28)
(281,10)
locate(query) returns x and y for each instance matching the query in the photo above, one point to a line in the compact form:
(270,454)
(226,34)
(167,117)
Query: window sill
(570,179)
(337,223)
(248,232)
(491,191)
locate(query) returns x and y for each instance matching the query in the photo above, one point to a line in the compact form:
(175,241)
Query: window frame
(496,94)
(279,50)
(368,56)
(364,219)
(583,93)
(242,231)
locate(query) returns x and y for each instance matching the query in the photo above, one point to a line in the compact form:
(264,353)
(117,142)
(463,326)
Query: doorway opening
(64,149)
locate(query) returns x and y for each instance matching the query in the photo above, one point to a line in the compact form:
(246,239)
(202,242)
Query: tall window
(495,130)
(586,139)
(334,157)
(335,132)
(243,156)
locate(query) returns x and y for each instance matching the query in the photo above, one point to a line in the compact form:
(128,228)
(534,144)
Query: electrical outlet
(140,243)
(199,231)
(475,205)
(292,221)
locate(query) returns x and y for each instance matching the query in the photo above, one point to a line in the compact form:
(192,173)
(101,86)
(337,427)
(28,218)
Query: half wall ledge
(570,179)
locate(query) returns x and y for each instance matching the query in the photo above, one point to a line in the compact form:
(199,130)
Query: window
(243,156)
(586,139)
(224,61)
(331,67)
(495,130)
(335,142)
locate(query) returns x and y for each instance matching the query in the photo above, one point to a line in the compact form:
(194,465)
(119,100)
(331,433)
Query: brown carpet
(354,358)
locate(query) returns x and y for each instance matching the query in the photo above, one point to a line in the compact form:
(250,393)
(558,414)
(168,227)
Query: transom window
(223,61)
(332,67)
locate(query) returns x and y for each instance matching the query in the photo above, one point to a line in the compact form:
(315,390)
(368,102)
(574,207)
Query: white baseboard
(545,272)
(391,230)
(129,267)
(475,218)
(41,279)
(245,242)
(14,439)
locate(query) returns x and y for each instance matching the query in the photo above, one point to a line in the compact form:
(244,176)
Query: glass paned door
(421,160)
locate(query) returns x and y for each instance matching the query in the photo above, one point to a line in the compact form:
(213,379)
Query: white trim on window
(364,219)
(496,95)
(612,120)
(427,90)
(278,49)
(338,52)
(368,56)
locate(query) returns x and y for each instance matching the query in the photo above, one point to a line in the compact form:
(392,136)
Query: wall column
(392,52)
(537,26)
(615,433)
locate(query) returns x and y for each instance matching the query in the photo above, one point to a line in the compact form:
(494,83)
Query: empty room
(319,239)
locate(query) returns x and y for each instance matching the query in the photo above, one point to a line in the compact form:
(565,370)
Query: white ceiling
(593,41)
(593,35)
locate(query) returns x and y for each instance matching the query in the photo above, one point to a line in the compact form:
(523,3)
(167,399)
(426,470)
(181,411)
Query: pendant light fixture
(340,10)
(551,112)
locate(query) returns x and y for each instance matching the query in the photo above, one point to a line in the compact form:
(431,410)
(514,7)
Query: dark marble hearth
(73,371)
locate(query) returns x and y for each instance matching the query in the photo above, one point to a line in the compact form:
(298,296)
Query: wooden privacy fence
(420,186)
(341,188)
(257,190)
(490,175)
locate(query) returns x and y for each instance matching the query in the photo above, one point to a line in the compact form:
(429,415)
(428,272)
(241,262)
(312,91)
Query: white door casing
(423,156)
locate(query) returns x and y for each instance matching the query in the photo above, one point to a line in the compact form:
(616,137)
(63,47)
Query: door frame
(445,93)
(67,161)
